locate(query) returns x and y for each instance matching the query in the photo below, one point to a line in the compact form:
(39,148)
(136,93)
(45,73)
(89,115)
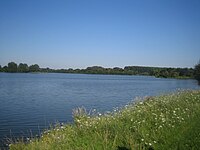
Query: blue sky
(108,33)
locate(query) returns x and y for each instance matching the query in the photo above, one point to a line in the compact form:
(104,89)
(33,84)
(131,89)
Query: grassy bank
(163,122)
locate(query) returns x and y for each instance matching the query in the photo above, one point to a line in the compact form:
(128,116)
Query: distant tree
(23,68)
(47,70)
(5,69)
(163,73)
(0,69)
(70,70)
(117,70)
(34,68)
(12,67)
(78,70)
(95,70)
(197,72)
(173,74)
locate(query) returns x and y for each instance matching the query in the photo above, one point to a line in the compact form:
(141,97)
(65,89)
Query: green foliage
(12,67)
(23,68)
(34,68)
(128,70)
(197,72)
(160,72)
(0,69)
(5,69)
(156,123)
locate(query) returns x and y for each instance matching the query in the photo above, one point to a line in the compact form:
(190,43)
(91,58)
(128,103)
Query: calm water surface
(30,102)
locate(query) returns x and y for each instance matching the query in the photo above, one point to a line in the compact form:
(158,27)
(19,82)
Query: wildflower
(154,114)
(150,144)
(142,139)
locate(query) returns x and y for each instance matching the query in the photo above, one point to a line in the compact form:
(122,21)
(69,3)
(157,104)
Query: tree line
(12,67)
(127,70)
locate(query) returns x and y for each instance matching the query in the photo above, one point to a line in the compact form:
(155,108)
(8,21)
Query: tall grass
(161,123)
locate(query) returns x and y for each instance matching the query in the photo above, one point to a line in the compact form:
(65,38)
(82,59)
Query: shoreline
(143,124)
(180,77)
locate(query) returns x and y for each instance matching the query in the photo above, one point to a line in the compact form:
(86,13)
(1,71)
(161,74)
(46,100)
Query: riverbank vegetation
(197,72)
(153,123)
(127,70)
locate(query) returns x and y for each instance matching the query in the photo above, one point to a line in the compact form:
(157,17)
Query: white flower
(163,120)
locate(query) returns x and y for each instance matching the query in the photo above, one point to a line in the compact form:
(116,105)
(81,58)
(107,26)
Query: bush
(197,72)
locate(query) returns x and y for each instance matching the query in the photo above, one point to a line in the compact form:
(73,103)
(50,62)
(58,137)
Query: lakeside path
(161,122)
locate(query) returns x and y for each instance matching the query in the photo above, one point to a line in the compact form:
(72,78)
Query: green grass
(162,123)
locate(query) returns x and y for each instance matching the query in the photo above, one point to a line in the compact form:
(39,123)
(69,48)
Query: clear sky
(108,33)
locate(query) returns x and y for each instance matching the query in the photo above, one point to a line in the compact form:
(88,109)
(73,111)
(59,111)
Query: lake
(29,102)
